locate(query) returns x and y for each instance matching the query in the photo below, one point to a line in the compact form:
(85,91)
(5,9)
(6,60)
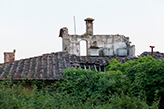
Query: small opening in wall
(83,48)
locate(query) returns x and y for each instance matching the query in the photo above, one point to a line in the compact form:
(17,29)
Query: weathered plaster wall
(107,44)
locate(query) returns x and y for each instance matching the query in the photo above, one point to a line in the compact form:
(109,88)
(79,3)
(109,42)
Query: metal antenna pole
(74,25)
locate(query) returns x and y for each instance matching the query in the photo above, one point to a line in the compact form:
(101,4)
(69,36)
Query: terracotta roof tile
(51,66)
(47,66)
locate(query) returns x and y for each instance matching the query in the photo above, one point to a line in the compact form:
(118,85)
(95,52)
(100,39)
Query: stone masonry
(96,45)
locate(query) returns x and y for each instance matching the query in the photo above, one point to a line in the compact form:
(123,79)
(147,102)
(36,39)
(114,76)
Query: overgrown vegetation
(131,85)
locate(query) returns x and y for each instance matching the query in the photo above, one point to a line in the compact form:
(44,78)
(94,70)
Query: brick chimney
(9,56)
(89,26)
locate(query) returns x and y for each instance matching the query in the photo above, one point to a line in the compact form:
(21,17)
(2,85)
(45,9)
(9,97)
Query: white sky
(32,26)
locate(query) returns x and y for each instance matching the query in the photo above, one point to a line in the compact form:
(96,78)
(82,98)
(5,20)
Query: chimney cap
(89,19)
(152,46)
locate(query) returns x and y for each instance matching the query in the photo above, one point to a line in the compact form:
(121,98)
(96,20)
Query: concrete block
(93,52)
(110,52)
(122,52)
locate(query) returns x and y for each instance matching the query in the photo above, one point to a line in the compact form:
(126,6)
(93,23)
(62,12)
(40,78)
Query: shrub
(145,76)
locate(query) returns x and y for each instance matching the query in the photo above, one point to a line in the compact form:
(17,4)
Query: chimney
(89,26)
(9,56)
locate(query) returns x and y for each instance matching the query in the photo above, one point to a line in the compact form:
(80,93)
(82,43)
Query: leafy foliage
(145,76)
(131,85)
(91,84)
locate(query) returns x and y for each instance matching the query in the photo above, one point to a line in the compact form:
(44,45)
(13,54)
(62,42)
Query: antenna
(74,25)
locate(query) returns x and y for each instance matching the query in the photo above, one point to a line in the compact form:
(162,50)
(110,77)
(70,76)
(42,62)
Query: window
(83,48)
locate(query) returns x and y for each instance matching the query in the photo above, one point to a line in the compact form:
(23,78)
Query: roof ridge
(45,54)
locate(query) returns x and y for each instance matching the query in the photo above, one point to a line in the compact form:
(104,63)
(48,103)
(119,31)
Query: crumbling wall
(104,45)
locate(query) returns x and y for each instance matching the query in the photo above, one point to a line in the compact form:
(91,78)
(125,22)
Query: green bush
(131,85)
(145,76)
(99,87)
(12,97)
(83,84)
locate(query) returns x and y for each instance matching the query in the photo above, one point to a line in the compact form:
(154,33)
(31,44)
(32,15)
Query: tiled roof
(47,67)
(95,62)
(156,55)
(51,66)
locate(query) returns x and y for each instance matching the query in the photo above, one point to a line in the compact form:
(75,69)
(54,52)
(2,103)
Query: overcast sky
(32,26)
